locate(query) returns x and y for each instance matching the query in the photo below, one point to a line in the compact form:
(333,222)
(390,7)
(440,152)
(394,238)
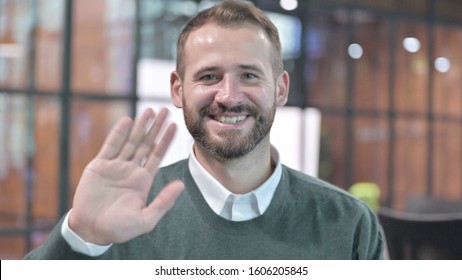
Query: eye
(208,77)
(249,76)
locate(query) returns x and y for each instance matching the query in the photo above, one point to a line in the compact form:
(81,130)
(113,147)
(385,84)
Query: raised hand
(110,201)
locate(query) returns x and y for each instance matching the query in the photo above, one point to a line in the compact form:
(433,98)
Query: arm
(55,248)
(110,201)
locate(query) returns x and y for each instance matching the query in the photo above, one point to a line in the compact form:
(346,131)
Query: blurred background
(376,95)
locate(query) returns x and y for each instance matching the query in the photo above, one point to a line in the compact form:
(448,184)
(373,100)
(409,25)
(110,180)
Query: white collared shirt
(234,207)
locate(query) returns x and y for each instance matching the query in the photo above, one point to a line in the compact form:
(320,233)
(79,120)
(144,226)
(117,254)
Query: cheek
(264,97)
(202,90)
(197,95)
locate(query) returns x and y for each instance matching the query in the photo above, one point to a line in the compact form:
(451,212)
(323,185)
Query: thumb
(161,204)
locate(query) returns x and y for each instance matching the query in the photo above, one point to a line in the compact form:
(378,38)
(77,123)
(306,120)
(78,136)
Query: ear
(282,88)
(176,90)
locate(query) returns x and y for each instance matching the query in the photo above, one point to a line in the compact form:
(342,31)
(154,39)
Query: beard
(229,144)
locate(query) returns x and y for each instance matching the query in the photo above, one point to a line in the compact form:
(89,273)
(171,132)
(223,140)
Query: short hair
(231,13)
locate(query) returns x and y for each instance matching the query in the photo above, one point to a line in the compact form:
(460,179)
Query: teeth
(230,120)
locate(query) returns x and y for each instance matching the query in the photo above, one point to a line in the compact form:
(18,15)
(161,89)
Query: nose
(229,93)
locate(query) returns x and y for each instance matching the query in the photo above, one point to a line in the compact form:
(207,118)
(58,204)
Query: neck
(240,175)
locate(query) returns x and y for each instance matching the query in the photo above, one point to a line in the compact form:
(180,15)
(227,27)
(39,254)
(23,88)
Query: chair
(422,235)
(426,204)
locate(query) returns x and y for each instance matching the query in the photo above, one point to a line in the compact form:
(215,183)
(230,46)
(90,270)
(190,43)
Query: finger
(161,204)
(136,135)
(157,154)
(148,141)
(115,139)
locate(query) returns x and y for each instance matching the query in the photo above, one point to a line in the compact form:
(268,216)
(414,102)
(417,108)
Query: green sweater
(307,219)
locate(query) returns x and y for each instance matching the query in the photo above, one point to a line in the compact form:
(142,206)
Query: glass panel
(47,123)
(290,33)
(288,121)
(13,162)
(153,78)
(447,71)
(448,10)
(289,28)
(447,160)
(120,26)
(91,122)
(15,27)
(417,7)
(371,68)
(332,150)
(311,138)
(49,45)
(411,67)
(103,45)
(410,155)
(161,23)
(326,54)
(371,152)
(12,247)
(29,163)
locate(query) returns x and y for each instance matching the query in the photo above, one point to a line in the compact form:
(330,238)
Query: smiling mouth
(229,120)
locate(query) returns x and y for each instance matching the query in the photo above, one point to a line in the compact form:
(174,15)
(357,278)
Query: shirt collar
(216,194)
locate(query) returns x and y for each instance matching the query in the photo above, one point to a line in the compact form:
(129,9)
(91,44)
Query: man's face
(228,92)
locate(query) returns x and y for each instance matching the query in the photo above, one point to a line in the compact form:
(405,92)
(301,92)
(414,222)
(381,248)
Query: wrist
(78,244)
(76,225)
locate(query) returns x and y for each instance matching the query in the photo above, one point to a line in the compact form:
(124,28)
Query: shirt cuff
(78,244)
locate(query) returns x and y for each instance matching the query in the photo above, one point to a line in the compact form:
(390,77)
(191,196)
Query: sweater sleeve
(369,241)
(55,248)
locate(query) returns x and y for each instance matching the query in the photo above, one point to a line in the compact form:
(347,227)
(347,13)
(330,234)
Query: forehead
(218,43)
(212,31)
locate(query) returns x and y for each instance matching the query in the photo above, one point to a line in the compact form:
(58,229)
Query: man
(232,199)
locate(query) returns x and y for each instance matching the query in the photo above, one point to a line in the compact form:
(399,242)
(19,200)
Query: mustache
(217,109)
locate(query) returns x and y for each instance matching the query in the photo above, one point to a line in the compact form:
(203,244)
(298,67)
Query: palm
(110,200)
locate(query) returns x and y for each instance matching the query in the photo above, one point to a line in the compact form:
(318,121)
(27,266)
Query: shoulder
(332,210)
(315,192)
(305,183)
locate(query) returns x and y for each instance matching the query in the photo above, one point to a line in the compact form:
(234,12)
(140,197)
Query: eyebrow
(241,66)
(251,67)
(206,69)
